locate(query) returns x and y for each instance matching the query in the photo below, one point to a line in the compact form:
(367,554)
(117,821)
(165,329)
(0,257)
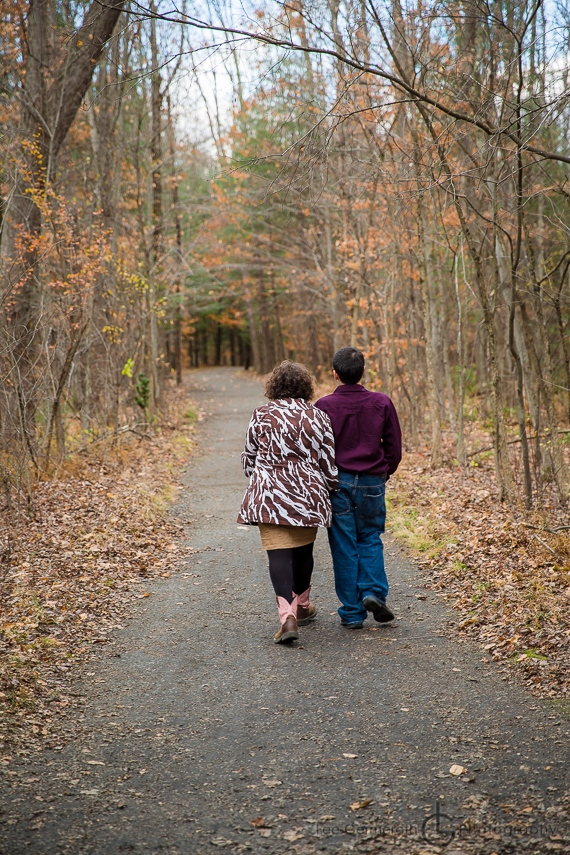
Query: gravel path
(201,735)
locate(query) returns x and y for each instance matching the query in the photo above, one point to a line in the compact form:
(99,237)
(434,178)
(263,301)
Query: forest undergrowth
(70,571)
(504,570)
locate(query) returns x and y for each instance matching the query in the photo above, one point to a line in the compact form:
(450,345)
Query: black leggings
(291,570)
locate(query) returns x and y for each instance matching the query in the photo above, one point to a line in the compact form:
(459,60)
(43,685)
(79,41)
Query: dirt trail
(196,724)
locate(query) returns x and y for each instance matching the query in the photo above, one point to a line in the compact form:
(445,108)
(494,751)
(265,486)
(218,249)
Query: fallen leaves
(457,770)
(361,805)
(71,571)
(511,592)
(291,836)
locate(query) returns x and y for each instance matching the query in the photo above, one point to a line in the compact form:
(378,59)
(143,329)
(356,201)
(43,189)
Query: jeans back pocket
(373,506)
(340,501)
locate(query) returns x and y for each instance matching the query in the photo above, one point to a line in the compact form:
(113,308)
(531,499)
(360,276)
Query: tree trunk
(392,332)
(252,332)
(562,334)
(232,335)
(461,368)
(278,332)
(55,417)
(178,231)
(434,408)
(219,333)
(443,338)
(355,313)
(412,367)
(547,377)
(156,205)
(267,352)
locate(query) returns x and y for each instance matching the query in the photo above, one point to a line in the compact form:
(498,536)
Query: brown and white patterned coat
(289,458)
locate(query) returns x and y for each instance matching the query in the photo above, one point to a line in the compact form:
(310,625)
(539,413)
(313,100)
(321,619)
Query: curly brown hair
(290,380)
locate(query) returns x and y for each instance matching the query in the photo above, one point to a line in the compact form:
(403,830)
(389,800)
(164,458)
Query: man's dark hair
(348,362)
(289,380)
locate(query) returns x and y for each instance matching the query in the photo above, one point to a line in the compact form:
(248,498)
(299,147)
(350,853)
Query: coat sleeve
(327,454)
(249,452)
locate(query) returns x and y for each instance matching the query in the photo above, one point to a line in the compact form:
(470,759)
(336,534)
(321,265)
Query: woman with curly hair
(289,459)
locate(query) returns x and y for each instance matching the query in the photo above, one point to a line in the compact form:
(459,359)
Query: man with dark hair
(368,444)
(348,365)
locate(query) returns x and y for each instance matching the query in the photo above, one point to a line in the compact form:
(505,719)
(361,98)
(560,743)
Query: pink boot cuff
(286,609)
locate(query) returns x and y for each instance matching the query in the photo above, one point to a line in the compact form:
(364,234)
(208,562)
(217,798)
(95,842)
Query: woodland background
(184,186)
(224,184)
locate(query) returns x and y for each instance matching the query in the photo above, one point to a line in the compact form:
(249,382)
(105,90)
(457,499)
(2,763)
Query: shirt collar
(357,387)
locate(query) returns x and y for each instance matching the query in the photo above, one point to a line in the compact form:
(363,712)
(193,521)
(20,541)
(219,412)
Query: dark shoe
(305,614)
(379,609)
(288,632)
(357,624)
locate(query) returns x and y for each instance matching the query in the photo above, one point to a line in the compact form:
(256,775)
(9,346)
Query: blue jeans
(359,515)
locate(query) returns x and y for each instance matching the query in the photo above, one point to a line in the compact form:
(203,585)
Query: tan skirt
(286,536)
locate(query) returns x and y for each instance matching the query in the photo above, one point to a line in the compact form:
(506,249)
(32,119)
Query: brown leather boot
(305,614)
(288,631)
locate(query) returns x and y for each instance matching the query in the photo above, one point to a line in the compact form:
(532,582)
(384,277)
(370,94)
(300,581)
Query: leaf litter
(70,572)
(506,571)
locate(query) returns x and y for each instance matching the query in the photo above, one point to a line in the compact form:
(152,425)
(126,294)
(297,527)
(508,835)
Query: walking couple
(322,464)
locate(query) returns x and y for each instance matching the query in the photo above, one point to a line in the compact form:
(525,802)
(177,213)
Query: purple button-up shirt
(366,430)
